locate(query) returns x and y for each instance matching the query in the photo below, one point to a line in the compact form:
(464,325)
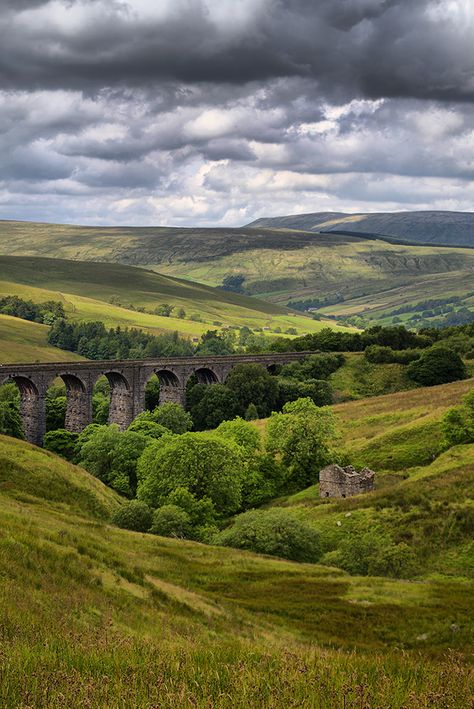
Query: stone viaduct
(127,379)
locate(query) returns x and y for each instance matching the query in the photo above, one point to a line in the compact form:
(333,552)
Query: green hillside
(277,265)
(128,296)
(432,227)
(96,616)
(23,341)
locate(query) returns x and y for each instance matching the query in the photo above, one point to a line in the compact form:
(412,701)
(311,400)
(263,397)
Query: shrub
(275,532)
(458,422)
(378,354)
(171,521)
(438,365)
(134,515)
(243,434)
(251,413)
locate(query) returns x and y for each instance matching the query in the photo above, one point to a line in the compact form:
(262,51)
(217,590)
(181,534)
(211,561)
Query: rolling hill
(96,615)
(23,341)
(278,265)
(127,296)
(436,228)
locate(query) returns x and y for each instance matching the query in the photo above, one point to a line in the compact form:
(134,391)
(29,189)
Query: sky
(218,112)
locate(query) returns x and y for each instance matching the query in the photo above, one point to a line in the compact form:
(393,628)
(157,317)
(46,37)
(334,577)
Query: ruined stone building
(335,481)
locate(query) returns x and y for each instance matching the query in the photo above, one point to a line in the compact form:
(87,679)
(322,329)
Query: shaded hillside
(437,228)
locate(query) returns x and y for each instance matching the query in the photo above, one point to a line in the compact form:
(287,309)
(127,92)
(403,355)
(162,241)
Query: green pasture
(96,616)
(23,341)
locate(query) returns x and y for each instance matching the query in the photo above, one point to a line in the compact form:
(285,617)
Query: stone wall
(335,481)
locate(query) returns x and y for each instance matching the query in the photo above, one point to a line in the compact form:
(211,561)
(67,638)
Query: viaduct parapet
(127,379)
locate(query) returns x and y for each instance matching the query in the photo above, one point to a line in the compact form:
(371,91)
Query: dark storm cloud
(375,48)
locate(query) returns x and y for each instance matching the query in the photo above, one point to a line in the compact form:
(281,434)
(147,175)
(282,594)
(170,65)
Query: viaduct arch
(127,379)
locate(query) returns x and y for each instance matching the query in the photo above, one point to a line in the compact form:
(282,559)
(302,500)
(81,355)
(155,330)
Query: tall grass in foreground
(107,669)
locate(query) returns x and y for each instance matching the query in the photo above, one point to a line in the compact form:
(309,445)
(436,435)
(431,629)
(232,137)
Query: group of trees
(94,341)
(251,392)
(187,484)
(46,313)
(436,365)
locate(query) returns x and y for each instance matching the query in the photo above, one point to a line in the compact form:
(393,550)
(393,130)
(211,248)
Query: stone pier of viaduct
(127,379)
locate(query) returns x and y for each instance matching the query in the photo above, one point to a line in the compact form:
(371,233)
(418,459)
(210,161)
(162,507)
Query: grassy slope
(421,492)
(86,289)
(279,265)
(22,341)
(91,615)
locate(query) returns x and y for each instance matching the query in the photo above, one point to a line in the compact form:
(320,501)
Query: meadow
(95,616)
(23,341)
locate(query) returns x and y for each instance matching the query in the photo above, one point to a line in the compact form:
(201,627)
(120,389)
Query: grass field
(278,265)
(94,616)
(22,341)
(87,289)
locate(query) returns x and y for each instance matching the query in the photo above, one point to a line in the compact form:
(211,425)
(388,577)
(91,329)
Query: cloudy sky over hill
(213,112)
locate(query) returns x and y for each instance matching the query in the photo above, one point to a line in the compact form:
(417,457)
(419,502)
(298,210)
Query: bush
(171,521)
(438,365)
(243,434)
(135,515)
(386,355)
(318,390)
(273,532)
(458,423)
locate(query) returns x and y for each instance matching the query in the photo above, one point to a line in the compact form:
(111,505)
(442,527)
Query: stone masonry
(335,481)
(127,379)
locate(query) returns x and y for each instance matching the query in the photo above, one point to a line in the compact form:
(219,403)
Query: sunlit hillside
(92,615)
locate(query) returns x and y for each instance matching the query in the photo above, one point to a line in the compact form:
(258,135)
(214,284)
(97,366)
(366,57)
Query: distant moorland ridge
(441,228)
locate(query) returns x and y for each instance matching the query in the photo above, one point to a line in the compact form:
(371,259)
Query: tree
(252,384)
(202,463)
(214,343)
(318,390)
(134,515)
(173,417)
(275,532)
(61,442)
(10,420)
(243,434)
(251,414)
(145,425)
(171,521)
(112,457)
(56,405)
(438,365)
(164,309)
(303,435)
(211,404)
(233,282)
